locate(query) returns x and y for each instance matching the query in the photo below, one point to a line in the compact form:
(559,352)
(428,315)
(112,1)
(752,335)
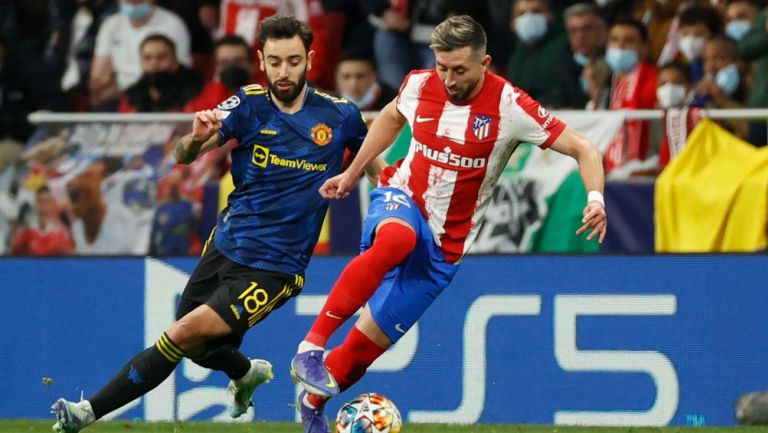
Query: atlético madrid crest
(321,134)
(482,126)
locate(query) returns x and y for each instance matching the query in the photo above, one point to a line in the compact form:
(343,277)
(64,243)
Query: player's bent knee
(190,332)
(399,239)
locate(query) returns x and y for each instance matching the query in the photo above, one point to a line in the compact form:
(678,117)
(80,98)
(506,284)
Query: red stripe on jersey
(481,133)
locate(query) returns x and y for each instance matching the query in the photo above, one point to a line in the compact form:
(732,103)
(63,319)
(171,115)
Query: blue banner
(651,340)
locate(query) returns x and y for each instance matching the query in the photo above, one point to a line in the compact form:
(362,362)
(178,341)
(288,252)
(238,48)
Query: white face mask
(671,95)
(365,100)
(691,46)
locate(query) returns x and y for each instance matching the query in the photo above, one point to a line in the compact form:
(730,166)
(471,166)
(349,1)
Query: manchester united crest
(321,134)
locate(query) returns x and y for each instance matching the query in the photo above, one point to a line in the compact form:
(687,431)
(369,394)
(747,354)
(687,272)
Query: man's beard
(287,96)
(463,96)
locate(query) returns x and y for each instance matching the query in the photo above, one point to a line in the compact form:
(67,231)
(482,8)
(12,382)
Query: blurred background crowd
(186,55)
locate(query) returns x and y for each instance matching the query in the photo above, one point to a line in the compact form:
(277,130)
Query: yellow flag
(714,196)
(226,186)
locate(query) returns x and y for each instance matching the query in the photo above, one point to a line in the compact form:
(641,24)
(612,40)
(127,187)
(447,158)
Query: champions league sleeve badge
(230,103)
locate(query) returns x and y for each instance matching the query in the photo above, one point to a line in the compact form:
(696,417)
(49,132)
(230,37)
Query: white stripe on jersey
(437,199)
(408,100)
(453,122)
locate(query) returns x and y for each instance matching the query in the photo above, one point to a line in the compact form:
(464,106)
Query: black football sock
(139,376)
(228,359)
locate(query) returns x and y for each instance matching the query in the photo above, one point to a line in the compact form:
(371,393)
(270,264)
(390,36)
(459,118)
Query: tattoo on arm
(187,149)
(181,151)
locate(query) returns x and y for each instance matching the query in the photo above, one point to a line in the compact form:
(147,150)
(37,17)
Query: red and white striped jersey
(458,152)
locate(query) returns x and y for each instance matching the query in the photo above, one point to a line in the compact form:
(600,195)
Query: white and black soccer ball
(369,413)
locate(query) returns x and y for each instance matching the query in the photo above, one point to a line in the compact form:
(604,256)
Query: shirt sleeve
(357,129)
(531,122)
(233,108)
(103,37)
(408,95)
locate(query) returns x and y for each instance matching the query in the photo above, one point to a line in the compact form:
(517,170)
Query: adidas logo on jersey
(450,158)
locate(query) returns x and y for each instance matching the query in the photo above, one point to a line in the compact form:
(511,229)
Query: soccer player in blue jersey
(291,139)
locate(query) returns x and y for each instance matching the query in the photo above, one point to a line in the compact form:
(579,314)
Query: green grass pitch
(26,426)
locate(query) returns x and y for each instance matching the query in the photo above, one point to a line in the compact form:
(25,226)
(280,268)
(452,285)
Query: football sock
(360,278)
(314,401)
(228,359)
(349,361)
(140,375)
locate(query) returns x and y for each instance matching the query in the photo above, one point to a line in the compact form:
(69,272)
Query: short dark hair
(285,27)
(679,67)
(457,32)
(702,14)
(358,54)
(624,21)
(157,37)
(234,40)
(581,9)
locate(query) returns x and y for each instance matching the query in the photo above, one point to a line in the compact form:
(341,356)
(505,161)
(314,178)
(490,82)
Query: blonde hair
(458,32)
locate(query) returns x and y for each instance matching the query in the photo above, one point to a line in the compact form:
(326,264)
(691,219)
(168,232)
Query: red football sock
(360,278)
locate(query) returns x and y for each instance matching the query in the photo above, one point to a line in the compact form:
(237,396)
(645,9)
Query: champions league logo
(482,126)
(230,103)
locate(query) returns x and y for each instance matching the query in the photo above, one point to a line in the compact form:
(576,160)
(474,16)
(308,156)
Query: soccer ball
(369,413)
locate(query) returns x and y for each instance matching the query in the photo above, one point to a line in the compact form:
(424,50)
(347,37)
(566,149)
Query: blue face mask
(728,79)
(531,27)
(136,12)
(621,60)
(737,29)
(581,59)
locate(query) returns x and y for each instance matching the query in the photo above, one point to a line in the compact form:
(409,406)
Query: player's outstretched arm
(591,170)
(203,137)
(384,129)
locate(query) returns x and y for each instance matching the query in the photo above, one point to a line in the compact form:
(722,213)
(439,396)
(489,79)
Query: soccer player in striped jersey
(466,123)
(291,139)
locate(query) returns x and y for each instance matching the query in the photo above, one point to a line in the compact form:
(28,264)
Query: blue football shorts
(410,288)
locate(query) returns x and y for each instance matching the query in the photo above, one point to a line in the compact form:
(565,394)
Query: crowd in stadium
(182,56)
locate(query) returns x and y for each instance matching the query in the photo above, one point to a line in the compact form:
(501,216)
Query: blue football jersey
(274,216)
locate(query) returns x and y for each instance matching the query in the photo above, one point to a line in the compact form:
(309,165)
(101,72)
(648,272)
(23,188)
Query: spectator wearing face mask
(675,85)
(587,33)
(723,85)
(540,45)
(116,63)
(633,86)
(658,16)
(673,95)
(165,85)
(234,68)
(754,48)
(698,23)
(739,15)
(357,82)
